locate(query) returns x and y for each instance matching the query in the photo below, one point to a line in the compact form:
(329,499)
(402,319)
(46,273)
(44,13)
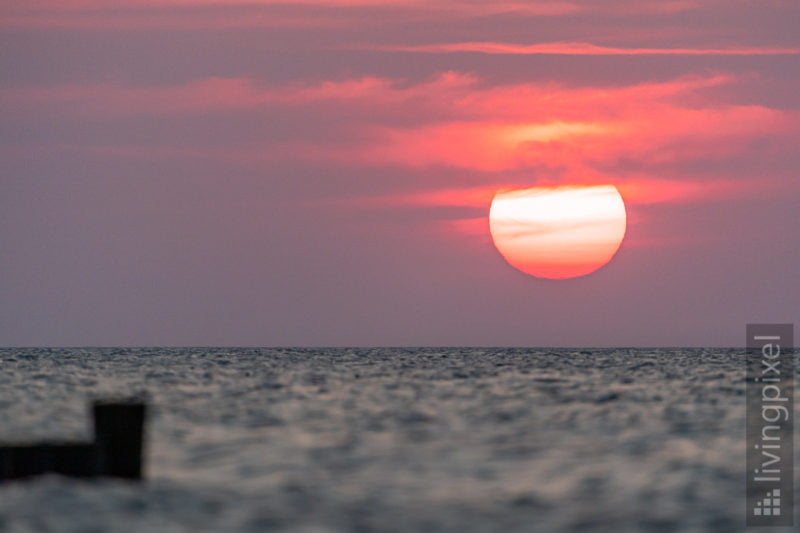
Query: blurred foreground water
(390,439)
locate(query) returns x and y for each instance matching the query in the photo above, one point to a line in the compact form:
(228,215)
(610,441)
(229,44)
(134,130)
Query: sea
(389,439)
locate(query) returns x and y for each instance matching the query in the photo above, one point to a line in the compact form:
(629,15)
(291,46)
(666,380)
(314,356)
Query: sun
(558,232)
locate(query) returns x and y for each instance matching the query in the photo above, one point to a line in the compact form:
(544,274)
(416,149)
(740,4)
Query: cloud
(483,145)
(520,126)
(583,49)
(505,134)
(211,94)
(470,5)
(219,14)
(447,96)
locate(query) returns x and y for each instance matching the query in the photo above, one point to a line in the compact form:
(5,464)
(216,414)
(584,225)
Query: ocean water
(390,439)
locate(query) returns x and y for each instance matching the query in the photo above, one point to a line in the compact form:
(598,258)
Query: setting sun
(558,232)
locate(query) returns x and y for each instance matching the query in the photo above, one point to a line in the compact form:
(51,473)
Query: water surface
(390,439)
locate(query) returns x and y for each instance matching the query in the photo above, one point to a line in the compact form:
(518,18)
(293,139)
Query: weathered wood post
(115,452)
(119,438)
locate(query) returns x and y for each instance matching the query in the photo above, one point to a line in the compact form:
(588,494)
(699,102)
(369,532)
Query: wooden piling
(116,450)
(118,438)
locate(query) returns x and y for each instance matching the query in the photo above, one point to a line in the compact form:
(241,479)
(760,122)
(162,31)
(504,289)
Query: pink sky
(197,172)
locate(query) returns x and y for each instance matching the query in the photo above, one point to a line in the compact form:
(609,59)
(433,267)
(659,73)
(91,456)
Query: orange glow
(588,49)
(558,232)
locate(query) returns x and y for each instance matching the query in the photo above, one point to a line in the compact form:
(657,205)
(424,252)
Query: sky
(320,172)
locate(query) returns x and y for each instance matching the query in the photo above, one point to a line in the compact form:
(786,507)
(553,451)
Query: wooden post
(75,459)
(118,438)
(116,450)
